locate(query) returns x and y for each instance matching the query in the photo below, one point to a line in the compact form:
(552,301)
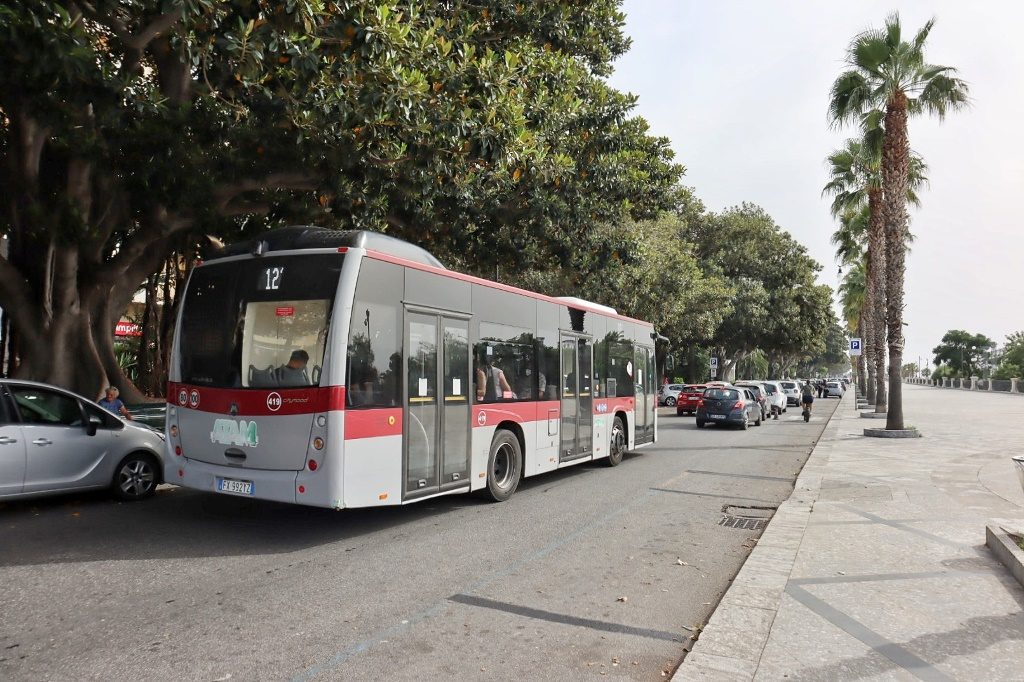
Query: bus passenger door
(577,432)
(585,364)
(436,423)
(646,400)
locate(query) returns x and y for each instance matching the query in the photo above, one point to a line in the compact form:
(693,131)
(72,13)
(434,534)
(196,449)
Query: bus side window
(374,367)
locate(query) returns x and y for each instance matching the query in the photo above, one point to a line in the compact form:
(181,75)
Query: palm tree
(890,74)
(855,182)
(850,241)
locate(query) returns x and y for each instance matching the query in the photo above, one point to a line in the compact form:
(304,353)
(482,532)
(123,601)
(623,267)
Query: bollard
(1013,385)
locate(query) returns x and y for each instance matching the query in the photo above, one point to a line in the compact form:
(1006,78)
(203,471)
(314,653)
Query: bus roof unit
(311,237)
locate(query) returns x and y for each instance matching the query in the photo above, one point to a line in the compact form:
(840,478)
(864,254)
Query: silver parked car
(668,394)
(54,441)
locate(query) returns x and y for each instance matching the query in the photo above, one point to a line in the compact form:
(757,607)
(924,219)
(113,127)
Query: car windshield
(770,389)
(788,384)
(695,388)
(722,394)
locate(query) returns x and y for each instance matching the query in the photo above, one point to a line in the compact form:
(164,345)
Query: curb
(731,644)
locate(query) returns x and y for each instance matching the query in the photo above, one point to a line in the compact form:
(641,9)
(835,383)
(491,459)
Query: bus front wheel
(504,466)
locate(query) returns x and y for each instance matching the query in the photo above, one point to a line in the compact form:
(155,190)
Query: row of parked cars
(741,403)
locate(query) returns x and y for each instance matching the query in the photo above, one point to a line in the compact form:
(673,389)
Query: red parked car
(686,401)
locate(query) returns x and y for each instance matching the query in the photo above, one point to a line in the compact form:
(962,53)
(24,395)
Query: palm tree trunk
(867,348)
(860,358)
(895,164)
(876,291)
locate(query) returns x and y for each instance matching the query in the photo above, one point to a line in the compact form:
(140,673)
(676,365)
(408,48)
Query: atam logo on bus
(232,432)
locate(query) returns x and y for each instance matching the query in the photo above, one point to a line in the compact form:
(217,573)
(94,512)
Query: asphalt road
(587,572)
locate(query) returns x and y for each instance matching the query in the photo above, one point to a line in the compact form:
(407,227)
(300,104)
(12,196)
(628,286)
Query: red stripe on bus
(256,401)
(373,423)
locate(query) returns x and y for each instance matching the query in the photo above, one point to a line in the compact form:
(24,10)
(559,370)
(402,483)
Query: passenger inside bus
(491,383)
(294,372)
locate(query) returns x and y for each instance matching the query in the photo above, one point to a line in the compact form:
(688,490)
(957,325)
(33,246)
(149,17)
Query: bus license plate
(234,487)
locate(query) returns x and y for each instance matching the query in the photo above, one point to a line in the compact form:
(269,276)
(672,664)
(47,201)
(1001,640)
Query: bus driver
(294,373)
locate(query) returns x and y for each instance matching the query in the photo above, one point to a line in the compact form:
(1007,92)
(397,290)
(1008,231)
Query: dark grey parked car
(54,441)
(729,405)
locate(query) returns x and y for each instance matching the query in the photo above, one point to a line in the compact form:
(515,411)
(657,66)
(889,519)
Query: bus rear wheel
(504,466)
(617,447)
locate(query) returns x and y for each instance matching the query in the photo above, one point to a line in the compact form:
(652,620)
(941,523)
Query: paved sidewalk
(876,567)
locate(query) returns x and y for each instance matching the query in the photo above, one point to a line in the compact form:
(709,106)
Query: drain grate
(746,518)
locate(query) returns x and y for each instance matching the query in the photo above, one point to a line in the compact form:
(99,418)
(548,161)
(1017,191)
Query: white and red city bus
(351,369)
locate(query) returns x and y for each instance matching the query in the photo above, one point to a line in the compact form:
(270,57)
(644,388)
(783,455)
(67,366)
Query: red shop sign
(126,328)
(285,311)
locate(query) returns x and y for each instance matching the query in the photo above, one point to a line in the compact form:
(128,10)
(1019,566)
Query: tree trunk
(876,292)
(895,165)
(867,347)
(860,358)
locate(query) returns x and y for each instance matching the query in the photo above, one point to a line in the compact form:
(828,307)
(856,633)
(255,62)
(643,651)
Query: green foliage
(1011,360)
(964,353)
(776,304)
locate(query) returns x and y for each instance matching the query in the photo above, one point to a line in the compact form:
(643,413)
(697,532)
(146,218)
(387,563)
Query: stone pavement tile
(768,575)
(804,647)
(871,549)
(951,622)
(999,477)
(750,595)
(737,632)
(705,667)
(787,535)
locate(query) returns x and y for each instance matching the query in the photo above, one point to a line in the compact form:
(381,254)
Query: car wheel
(136,477)
(700,424)
(670,401)
(746,422)
(504,466)
(617,447)
(760,418)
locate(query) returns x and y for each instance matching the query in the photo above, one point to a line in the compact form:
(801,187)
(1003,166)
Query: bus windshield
(258,323)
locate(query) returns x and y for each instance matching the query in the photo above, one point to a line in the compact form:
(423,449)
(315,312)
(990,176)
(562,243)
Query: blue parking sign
(855,347)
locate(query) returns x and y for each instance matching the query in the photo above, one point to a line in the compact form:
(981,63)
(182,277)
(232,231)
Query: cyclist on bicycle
(807,397)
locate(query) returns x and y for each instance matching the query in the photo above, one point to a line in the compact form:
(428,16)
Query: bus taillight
(177,450)
(312,465)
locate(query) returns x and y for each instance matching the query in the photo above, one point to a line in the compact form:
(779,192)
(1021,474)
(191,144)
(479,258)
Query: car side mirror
(92,425)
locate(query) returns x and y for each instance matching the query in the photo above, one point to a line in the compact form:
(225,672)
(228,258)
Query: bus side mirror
(670,362)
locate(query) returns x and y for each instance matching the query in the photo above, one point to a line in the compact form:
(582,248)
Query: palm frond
(850,95)
(944,93)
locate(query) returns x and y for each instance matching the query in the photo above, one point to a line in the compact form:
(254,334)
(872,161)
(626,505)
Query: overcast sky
(741,89)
